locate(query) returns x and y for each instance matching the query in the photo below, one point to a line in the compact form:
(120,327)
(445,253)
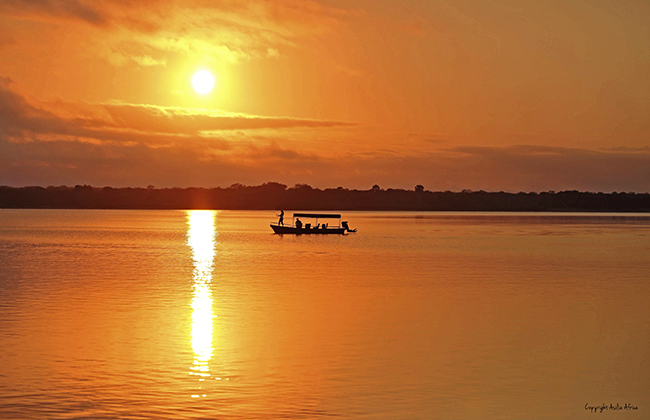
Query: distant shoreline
(275,196)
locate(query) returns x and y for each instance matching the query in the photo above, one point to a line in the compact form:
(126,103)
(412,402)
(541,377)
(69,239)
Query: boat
(297,227)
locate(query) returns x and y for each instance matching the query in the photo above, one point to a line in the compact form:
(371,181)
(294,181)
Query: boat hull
(291,230)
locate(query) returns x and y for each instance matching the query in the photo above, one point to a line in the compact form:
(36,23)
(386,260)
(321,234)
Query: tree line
(273,196)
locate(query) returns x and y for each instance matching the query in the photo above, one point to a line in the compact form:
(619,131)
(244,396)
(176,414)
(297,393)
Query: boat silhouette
(297,227)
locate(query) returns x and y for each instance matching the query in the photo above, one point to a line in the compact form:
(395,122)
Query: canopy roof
(318,215)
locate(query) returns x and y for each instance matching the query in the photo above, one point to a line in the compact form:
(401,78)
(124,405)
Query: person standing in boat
(281,221)
(298,224)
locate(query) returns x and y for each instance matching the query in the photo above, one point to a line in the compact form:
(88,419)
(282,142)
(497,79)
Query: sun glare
(203,82)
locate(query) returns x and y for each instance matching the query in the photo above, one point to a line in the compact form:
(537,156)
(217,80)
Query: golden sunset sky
(486,94)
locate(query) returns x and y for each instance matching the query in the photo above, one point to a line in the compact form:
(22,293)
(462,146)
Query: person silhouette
(298,224)
(347,228)
(281,221)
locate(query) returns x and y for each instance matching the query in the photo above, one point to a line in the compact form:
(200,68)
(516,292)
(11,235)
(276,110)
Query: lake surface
(207,314)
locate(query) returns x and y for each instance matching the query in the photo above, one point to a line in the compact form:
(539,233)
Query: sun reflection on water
(201,239)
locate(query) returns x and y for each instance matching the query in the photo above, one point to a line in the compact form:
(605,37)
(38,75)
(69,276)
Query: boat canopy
(318,215)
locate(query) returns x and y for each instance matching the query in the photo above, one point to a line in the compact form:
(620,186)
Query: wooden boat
(297,227)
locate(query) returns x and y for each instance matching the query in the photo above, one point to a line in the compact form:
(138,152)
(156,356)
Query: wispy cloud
(123,122)
(77,9)
(222,30)
(193,121)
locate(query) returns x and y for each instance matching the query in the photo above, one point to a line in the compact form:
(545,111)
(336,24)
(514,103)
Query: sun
(203,82)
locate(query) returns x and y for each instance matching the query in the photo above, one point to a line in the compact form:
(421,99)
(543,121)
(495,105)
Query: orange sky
(496,95)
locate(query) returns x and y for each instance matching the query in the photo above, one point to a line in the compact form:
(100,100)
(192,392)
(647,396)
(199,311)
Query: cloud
(194,121)
(148,61)
(78,9)
(221,30)
(537,168)
(121,144)
(645,149)
(46,143)
(122,122)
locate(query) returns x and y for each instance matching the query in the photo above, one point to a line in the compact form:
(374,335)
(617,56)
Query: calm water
(198,314)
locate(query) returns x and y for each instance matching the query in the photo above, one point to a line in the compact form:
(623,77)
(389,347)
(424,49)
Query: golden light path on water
(201,239)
